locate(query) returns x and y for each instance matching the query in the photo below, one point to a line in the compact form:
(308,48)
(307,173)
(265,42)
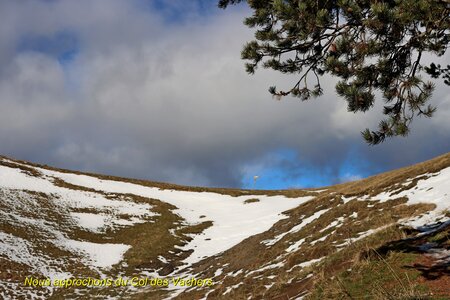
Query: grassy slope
(290,281)
(381,266)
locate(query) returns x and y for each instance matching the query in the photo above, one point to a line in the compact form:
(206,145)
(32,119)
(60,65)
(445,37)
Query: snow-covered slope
(58,225)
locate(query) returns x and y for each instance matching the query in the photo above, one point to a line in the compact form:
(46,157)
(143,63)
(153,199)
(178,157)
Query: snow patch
(294,247)
(98,255)
(21,251)
(92,222)
(435,189)
(229,227)
(336,223)
(296,228)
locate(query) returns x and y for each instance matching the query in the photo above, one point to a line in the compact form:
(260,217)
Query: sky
(157,90)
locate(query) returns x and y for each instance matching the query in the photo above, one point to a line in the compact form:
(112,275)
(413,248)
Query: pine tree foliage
(374,47)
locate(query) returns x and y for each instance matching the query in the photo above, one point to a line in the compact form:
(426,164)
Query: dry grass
(389,271)
(252,200)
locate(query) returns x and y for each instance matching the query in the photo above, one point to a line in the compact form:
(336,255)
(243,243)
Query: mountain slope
(232,244)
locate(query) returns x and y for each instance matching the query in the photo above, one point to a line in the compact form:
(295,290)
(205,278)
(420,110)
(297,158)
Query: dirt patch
(434,275)
(252,200)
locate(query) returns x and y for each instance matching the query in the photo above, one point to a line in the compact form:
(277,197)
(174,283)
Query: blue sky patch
(285,169)
(62,45)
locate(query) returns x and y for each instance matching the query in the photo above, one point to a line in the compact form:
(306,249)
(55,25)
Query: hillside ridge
(387,234)
(440,161)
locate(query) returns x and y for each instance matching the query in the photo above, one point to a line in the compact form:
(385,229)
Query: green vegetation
(373,47)
(376,278)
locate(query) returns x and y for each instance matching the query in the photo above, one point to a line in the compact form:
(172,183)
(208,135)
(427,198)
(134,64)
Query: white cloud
(158,100)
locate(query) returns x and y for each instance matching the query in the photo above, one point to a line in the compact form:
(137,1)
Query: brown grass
(252,200)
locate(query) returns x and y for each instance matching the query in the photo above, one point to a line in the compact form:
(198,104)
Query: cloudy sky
(157,90)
